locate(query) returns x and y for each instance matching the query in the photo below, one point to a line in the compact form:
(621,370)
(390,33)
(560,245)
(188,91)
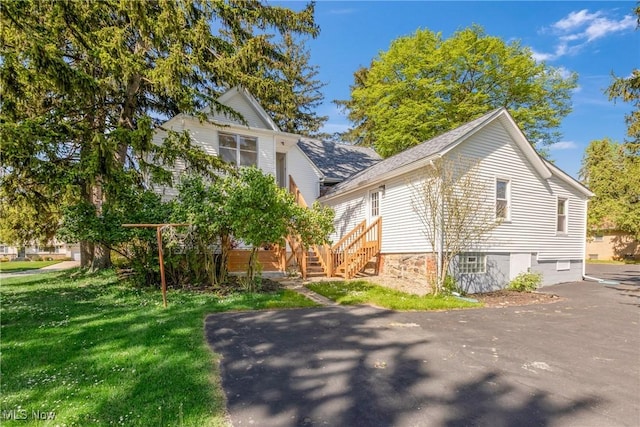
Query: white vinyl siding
(349,212)
(239,103)
(402,230)
(532,199)
(307,178)
(205,136)
(532,225)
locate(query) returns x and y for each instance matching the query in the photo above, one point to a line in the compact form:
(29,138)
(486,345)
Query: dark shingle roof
(336,161)
(413,154)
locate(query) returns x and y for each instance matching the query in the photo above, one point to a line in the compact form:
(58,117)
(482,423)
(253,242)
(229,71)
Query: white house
(260,143)
(542,229)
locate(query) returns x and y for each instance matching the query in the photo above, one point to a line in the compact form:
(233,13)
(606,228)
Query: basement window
(472,263)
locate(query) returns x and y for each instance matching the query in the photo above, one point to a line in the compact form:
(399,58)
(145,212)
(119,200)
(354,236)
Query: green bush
(525,282)
(450,286)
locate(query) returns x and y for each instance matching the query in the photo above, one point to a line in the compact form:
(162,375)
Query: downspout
(440,237)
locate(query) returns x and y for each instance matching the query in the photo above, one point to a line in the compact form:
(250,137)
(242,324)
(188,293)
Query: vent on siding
(563,265)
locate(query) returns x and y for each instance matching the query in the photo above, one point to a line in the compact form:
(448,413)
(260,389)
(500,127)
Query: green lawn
(361,292)
(13,266)
(96,352)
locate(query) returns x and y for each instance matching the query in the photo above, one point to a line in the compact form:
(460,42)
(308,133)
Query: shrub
(449,286)
(525,282)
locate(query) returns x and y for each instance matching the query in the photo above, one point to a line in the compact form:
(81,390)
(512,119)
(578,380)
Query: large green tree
(612,172)
(83,83)
(425,85)
(628,90)
(293,108)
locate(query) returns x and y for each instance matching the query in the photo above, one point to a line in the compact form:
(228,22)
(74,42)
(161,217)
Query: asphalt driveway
(625,273)
(571,363)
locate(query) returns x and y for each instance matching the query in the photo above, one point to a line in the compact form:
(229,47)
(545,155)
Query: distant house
(544,229)
(613,245)
(54,250)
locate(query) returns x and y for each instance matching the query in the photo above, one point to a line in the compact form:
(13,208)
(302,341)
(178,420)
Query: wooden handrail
(324,254)
(358,229)
(293,188)
(358,252)
(352,252)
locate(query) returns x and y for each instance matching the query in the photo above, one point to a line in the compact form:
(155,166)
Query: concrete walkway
(64,265)
(298,286)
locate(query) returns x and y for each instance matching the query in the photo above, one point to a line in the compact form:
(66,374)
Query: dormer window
(239,150)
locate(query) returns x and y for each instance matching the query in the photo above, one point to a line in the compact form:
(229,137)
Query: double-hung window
(239,150)
(502,199)
(472,263)
(561,226)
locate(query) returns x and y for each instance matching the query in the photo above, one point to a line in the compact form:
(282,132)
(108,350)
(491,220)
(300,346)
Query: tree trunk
(101,257)
(86,254)
(251,270)
(101,254)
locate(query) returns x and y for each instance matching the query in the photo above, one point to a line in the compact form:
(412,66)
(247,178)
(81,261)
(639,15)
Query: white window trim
(507,217)
(236,136)
(566,215)
(462,261)
(370,214)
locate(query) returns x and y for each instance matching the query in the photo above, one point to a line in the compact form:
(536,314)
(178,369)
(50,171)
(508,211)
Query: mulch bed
(506,298)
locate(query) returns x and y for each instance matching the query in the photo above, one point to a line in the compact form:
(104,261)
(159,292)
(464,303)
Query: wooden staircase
(346,258)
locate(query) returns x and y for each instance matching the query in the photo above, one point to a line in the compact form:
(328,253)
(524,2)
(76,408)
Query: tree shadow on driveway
(361,366)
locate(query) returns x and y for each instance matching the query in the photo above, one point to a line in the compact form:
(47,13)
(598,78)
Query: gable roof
(251,102)
(438,146)
(336,161)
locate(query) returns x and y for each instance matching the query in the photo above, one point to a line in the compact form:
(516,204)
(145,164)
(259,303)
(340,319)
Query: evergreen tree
(84,83)
(292,107)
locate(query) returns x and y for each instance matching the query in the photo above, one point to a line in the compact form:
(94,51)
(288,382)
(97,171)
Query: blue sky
(593,39)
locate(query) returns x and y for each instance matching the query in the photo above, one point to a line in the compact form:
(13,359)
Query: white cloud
(564,72)
(580,28)
(563,145)
(576,20)
(602,27)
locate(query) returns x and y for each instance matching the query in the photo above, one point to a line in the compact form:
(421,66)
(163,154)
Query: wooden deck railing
(347,257)
(293,188)
(356,254)
(324,254)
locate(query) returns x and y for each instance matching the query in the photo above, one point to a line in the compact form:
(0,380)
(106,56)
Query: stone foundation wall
(409,266)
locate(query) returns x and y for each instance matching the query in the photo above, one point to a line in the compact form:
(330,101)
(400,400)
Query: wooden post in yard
(161,261)
(158,228)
